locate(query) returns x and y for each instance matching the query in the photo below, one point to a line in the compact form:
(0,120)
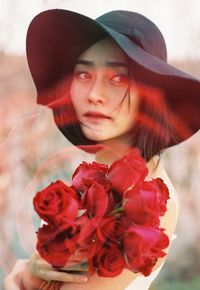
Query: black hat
(56,38)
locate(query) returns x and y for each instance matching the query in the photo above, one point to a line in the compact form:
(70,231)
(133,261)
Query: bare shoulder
(169,220)
(157,170)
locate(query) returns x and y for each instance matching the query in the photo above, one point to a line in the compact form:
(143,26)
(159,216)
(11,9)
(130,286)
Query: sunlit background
(28,135)
(177,19)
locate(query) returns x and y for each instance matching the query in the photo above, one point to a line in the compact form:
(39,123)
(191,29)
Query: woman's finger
(83,267)
(53,285)
(14,279)
(53,275)
(36,262)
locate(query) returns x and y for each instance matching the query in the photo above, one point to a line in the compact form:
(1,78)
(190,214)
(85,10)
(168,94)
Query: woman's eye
(119,79)
(83,75)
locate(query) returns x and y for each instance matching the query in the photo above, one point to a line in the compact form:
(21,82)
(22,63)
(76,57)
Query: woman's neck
(111,152)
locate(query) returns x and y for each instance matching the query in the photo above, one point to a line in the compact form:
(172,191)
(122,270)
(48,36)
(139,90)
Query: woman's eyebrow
(85,62)
(108,63)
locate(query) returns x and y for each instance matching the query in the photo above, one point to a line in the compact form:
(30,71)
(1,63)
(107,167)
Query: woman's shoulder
(157,170)
(169,220)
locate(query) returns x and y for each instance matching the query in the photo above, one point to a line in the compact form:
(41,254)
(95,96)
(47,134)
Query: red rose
(111,202)
(82,242)
(128,171)
(56,245)
(147,202)
(90,171)
(48,232)
(112,223)
(62,245)
(143,246)
(95,202)
(86,231)
(110,230)
(108,262)
(56,203)
(163,193)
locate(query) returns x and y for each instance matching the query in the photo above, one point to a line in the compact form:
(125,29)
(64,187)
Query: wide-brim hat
(56,37)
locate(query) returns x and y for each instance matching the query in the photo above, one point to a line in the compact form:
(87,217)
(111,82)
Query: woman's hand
(75,273)
(37,274)
(14,279)
(41,275)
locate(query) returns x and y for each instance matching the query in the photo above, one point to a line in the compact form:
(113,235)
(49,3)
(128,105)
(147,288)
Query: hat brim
(56,37)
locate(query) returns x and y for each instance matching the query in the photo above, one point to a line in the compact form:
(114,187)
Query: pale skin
(101,75)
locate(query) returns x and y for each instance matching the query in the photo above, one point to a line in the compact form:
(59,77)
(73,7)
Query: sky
(178,20)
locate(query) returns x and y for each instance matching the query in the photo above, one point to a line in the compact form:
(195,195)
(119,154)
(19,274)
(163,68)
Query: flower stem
(117,210)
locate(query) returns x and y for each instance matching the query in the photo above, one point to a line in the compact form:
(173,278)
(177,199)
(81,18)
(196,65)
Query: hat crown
(139,29)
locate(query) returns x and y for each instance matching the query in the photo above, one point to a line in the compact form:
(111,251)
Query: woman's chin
(96,135)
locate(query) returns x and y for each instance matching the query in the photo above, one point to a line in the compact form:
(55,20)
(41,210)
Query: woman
(110,89)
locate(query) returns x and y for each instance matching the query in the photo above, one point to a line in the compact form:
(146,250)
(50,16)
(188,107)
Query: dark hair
(152,130)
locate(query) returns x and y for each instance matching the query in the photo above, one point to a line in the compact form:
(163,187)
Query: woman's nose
(97,93)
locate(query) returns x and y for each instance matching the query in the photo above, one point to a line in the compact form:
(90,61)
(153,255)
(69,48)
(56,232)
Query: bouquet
(108,217)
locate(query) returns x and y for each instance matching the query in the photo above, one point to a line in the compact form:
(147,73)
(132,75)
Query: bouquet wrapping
(108,217)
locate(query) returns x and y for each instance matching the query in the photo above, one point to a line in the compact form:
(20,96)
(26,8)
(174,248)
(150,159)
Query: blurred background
(28,136)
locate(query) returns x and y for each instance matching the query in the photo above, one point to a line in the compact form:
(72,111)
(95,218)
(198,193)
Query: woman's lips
(96,116)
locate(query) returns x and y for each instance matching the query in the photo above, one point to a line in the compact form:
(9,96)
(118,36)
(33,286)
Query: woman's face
(101,93)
